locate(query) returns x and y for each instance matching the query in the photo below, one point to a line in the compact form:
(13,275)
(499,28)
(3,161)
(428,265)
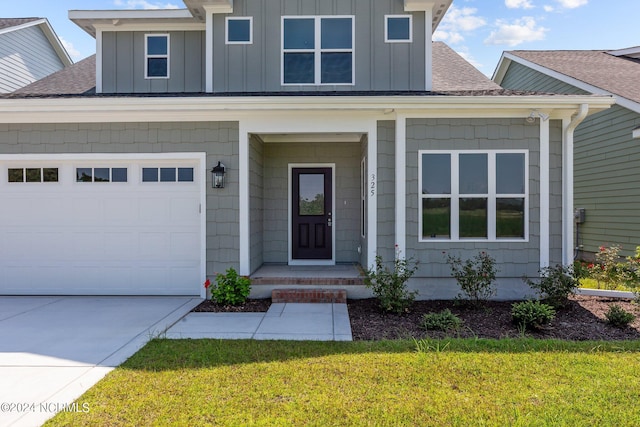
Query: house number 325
(372,185)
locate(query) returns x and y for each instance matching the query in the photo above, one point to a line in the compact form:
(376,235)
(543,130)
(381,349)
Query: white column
(98,61)
(243,184)
(372,194)
(544,194)
(401,185)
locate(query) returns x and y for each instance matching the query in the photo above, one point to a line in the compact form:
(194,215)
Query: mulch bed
(582,319)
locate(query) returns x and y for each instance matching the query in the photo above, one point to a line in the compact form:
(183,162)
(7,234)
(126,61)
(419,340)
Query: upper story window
(156,61)
(317,50)
(475,195)
(398,29)
(239,30)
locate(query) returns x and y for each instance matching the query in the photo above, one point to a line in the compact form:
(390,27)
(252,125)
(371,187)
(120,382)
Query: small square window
(239,30)
(398,29)
(119,175)
(84,175)
(16,175)
(185,174)
(167,174)
(50,174)
(34,175)
(149,174)
(101,175)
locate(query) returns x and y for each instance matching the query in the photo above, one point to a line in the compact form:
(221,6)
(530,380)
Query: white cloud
(144,4)
(71,50)
(458,21)
(548,8)
(518,4)
(519,31)
(572,4)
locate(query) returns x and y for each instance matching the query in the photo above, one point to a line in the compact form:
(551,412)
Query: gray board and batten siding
(26,55)
(123,56)
(256,67)
(219,140)
(606,166)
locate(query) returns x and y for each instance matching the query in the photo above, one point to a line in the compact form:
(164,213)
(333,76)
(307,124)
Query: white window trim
(318,51)
(238,18)
(386,29)
(491,196)
(147,56)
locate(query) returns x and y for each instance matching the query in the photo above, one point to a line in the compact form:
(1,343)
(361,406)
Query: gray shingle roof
(451,72)
(615,74)
(14,22)
(77,79)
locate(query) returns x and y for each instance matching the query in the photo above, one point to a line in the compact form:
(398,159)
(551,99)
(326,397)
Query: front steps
(337,296)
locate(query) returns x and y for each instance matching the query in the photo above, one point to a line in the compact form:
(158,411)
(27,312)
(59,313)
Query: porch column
(401,185)
(544,193)
(243,186)
(208,51)
(372,194)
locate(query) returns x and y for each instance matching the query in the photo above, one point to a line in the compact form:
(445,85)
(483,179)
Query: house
(607,149)
(29,51)
(343,130)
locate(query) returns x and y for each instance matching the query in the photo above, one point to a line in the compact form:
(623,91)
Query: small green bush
(443,321)
(532,314)
(475,277)
(618,316)
(555,285)
(390,286)
(231,288)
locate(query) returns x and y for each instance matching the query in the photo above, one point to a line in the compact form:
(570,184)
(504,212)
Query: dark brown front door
(312,219)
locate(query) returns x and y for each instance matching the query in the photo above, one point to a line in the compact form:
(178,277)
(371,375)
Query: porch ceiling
(272,138)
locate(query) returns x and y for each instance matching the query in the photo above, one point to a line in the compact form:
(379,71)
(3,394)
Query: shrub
(443,321)
(608,270)
(231,288)
(555,285)
(532,314)
(390,286)
(619,317)
(475,277)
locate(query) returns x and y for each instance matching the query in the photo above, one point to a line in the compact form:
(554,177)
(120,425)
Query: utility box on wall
(579,215)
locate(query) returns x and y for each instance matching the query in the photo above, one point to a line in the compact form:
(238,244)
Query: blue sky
(480,30)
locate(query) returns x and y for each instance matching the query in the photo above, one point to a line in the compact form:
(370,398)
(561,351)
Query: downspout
(567,187)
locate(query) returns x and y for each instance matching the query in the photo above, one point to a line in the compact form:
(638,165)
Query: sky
(479,30)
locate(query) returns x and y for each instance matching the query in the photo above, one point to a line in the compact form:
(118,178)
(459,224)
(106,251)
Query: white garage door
(100,226)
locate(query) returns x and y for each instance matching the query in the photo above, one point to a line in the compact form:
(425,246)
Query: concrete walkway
(285,321)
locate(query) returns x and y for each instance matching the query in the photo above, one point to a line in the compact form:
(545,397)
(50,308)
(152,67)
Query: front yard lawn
(460,382)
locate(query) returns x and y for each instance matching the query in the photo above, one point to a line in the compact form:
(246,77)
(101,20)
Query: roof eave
(89,19)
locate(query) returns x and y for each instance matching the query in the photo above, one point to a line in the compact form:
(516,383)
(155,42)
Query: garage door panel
(100,238)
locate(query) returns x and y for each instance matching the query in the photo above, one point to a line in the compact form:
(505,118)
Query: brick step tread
(338,296)
(306,281)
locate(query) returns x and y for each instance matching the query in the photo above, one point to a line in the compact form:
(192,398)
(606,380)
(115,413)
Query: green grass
(593,284)
(517,382)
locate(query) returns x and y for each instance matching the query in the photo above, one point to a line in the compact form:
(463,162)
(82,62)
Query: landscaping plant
(618,316)
(532,314)
(475,277)
(230,288)
(389,286)
(555,285)
(443,321)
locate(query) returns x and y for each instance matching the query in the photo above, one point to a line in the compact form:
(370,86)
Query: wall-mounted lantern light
(217,176)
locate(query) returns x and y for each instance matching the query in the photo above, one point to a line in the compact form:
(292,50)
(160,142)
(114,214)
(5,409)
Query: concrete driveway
(53,349)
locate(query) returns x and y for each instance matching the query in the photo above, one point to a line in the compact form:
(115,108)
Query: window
(101,174)
(167,174)
(473,195)
(317,50)
(398,29)
(239,30)
(156,47)
(32,175)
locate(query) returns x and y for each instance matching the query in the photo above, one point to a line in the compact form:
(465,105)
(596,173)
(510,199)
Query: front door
(312,221)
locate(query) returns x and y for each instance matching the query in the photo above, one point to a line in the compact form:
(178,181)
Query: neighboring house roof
(14,22)
(78,79)
(451,74)
(595,71)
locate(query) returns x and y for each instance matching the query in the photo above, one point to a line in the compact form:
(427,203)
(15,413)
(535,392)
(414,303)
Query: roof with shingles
(615,74)
(77,79)
(14,22)
(451,72)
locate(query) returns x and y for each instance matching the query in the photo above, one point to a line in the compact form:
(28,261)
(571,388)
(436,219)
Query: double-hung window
(156,61)
(317,50)
(473,195)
